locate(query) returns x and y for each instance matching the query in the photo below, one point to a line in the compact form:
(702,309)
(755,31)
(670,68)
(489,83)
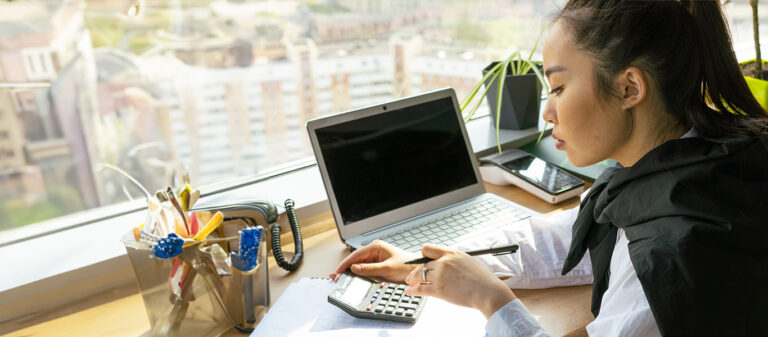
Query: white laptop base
(451,225)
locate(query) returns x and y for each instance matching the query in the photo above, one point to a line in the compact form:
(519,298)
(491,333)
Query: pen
(508,249)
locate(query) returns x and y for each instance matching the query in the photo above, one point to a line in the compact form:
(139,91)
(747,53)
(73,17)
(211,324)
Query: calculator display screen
(356,291)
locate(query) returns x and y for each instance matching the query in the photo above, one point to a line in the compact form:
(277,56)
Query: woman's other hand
(378,260)
(458,278)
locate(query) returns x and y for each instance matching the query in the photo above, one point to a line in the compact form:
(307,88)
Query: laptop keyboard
(451,228)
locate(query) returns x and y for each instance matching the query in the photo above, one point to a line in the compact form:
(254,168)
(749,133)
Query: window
(169,90)
(38,63)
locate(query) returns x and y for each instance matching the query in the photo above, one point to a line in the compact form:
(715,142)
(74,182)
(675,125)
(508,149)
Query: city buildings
(221,89)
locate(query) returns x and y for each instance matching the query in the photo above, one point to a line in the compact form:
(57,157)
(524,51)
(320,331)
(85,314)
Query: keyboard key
(399,311)
(409,312)
(379,309)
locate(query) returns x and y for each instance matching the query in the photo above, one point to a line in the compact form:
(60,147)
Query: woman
(680,225)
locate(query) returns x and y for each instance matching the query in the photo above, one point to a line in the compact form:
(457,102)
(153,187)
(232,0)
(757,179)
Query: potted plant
(754,70)
(512,88)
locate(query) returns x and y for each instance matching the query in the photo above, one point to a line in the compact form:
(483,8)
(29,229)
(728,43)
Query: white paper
(303,310)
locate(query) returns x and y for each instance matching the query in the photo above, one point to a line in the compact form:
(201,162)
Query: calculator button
(398,292)
(368,308)
(384,297)
(399,311)
(406,299)
(389,310)
(396,298)
(416,300)
(409,312)
(401,287)
(379,308)
(408,305)
(373,299)
(388,291)
(382,285)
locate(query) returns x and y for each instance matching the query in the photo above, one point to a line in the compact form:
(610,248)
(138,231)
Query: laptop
(404,172)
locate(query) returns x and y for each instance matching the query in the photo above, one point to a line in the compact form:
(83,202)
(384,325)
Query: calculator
(365,298)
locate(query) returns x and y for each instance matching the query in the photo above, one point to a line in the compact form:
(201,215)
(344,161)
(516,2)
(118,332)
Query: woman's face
(587,128)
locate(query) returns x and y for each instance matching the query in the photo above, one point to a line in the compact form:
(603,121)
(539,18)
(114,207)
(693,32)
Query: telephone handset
(270,213)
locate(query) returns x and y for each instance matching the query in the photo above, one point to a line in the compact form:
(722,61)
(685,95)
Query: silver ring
(424,274)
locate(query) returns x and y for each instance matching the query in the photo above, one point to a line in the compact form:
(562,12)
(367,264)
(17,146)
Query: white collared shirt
(624,310)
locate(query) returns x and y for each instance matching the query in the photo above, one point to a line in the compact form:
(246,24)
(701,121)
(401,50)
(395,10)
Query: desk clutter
(201,271)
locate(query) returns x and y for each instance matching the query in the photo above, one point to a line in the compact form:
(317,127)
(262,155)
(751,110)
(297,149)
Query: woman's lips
(559,142)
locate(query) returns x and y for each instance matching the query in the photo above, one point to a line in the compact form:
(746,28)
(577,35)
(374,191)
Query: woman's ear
(632,83)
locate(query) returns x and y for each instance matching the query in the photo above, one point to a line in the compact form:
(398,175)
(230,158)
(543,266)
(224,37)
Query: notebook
(404,172)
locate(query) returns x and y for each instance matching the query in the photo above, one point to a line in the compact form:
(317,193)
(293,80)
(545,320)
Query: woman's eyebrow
(554,69)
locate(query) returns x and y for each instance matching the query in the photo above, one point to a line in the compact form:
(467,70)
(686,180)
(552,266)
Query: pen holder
(199,292)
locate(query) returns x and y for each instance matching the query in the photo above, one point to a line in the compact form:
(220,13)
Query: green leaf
(544,129)
(500,97)
(493,71)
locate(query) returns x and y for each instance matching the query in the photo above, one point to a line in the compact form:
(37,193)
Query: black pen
(508,249)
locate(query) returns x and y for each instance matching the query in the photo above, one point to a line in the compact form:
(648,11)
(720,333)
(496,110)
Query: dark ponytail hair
(685,48)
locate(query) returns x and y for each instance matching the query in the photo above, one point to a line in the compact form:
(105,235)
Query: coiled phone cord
(299,247)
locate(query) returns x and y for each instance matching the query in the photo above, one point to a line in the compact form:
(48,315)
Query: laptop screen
(393,159)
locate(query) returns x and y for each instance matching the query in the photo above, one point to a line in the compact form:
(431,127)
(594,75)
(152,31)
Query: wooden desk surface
(121,312)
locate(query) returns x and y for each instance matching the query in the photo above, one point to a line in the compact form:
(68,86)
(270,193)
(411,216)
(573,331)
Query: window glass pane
(221,89)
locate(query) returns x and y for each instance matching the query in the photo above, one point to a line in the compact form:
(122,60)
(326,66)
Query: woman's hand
(460,279)
(378,260)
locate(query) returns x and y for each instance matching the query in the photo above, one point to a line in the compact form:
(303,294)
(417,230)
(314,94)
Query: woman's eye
(556,91)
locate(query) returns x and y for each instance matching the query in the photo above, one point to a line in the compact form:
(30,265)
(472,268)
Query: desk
(120,312)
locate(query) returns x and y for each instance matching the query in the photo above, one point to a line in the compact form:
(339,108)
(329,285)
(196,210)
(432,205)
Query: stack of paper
(303,310)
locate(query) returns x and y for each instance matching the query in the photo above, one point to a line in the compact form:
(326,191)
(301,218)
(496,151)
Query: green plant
(756,32)
(514,64)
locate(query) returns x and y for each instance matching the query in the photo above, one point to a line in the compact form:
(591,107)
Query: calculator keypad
(378,300)
(390,298)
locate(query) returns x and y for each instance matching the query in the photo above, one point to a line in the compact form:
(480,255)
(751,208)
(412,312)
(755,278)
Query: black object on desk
(365,298)
(508,249)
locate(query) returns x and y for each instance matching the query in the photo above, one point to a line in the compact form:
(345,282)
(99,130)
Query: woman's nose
(550,115)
